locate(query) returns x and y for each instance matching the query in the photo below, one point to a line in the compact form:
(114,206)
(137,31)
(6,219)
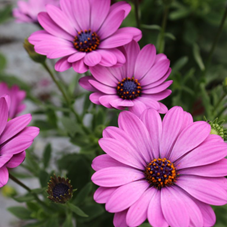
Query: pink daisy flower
(168,172)
(15,138)
(138,84)
(16,97)
(84,33)
(27,11)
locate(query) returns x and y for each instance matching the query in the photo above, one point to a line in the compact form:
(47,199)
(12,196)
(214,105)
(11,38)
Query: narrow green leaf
(151,27)
(47,155)
(170,35)
(20,212)
(179,14)
(179,64)
(197,56)
(43,178)
(2,62)
(81,196)
(25,198)
(77,210)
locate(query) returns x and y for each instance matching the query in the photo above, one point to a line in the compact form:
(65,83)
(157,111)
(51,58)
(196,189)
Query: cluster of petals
(15,138)
(75,17)
(198,156)
(27,11)
(16,98)
(149,69)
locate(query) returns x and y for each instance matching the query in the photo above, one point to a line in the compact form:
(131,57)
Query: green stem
(28,189)
(161,45)
(137,14)
(57,83)
(216,38)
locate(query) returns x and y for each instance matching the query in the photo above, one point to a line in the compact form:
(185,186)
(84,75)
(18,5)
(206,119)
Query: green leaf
(70,125)
(52,222)
(47,155)
(36,224)
(33,206)
(145,225)
(197,56)
(20,212)
(77,210)
(179,64)
(52,118)
(68,221)
(81,196)
(170,35)
(179,14)
(5,13)
(93,211)
(2,62)
(43,178)
(151,27)
(25,198)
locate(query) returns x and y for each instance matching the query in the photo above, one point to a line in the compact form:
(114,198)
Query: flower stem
(216,38)
(136,3)
(19,182)
(161,43)
(57,83)
(29,190)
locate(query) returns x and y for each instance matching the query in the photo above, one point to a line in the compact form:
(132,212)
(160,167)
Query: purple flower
(168,172)
(27,12)
(16,97)
(84,33)
(138,84)
(15,138)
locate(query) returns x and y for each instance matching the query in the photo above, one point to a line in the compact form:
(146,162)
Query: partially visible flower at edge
(139,84)
(15,138)
(16,97)
(84,33)
(27,11)
(168,172)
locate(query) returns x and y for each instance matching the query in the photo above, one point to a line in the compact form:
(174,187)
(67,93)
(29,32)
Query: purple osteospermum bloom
(15,138)
(84,33)
(16,97)
(138,84)
(27,12)
(168,172)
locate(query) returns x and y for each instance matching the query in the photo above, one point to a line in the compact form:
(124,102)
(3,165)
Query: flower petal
(124,196)
(134,127)
(62,65)
(79,66)
(16,160)
(145,60)
(158,89)
(81,10)
(4,176)
(105,100)
(105,161)
(108,58)
(103,75)
(60,19)
(137,213)
(120,219)
(14,126)
(153,123)
(76,57)
(119,152)
(100,10)
(154,212)
(173,208)
(116,176)
(93,58)
(94,97)
(84,83)
(3,114)
(103,88)
(210,151)
(217,169)
(190,138)
(200,189)
(102,194)
(121,6)
(50,26)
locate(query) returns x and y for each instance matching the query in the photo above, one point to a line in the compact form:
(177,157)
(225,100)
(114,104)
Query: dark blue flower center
(60,189)
(86,41)
(160,173)
(129,88)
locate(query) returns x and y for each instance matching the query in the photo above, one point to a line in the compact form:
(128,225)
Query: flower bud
(218,129)
(59,189)
(32,54)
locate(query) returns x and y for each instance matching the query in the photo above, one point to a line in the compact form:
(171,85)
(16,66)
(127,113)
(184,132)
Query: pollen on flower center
(86,41)
(160,173)
(129,88)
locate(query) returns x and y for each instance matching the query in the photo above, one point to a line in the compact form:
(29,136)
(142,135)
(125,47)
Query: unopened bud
(32,54)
